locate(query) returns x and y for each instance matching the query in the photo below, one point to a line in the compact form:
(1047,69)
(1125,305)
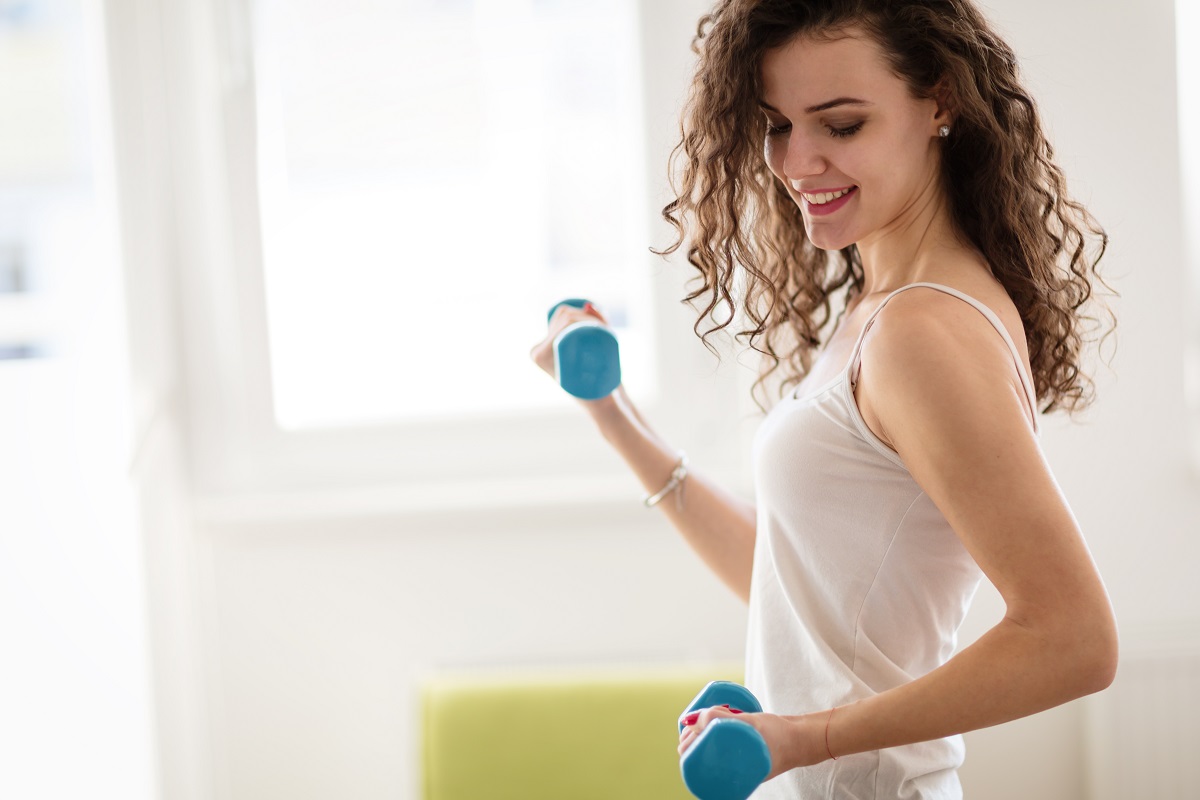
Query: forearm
(715,523)
(1013,671)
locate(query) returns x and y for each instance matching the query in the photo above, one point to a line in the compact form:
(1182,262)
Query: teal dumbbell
(586,358)
(730,758)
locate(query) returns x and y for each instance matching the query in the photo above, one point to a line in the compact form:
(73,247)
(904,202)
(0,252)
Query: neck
(911,248)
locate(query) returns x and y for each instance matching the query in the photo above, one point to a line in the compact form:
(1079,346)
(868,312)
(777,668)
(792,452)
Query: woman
(884,153)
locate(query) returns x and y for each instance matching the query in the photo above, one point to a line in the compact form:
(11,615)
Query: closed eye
(837,133)
(840,133)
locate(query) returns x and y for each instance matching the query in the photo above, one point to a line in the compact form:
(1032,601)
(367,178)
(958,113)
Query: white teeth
(825,197)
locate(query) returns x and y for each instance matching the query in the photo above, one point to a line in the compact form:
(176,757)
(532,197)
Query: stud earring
(944,131)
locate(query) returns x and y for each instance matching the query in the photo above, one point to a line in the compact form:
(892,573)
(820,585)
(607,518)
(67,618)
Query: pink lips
(830,207)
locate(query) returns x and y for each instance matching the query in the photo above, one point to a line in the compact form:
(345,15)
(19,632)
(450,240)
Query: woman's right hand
(564,316)
(718,525)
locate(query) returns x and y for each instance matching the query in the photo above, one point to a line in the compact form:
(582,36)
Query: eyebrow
(828,104)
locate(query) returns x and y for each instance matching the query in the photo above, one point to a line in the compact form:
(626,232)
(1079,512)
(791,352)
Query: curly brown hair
(1005,192)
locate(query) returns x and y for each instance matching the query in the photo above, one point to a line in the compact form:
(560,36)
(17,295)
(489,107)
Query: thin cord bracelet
(677,475)
(827,721)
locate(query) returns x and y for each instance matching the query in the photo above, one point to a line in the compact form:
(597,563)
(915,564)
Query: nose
(805,156)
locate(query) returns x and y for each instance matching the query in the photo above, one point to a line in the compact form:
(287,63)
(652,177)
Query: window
(431,175)
(45,180)
(377,204)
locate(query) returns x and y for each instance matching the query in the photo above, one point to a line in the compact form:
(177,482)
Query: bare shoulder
(932,358)
(929,312)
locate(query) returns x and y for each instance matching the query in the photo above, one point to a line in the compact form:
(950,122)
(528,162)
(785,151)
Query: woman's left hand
(791,741)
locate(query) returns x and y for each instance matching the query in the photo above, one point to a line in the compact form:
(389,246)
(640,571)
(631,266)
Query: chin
(823,241)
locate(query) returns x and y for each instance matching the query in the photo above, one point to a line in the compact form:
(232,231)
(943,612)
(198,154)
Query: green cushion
(576,736)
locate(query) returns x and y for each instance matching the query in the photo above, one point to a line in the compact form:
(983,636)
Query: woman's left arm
(952,407)
(950,403)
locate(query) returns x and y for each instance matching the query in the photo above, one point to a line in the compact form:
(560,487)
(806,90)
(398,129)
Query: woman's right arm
(717,525)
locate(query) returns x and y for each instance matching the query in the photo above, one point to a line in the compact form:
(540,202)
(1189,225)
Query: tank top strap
(1026,382)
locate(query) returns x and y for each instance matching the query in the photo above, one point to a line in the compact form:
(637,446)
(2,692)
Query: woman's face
(839,120)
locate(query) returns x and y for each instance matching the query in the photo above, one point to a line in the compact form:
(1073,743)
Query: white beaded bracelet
(677,475)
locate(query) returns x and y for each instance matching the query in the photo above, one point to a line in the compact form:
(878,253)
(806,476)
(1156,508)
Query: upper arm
(945,389)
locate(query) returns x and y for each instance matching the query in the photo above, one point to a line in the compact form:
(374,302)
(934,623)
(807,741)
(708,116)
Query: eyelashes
(836,133)
(840,133)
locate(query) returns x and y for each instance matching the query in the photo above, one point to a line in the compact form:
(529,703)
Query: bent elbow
(1106,664)
(1098,656)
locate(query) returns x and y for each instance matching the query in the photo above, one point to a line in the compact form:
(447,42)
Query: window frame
(243,464)
(1187,31)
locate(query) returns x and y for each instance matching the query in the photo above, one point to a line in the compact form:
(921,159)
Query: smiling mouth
(822,198)
(825,203)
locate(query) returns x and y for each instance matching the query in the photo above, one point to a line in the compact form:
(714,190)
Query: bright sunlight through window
(433,176)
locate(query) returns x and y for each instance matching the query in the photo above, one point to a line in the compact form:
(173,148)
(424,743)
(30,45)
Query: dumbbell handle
(694,717)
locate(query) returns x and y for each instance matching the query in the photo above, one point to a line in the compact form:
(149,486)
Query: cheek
(911,145)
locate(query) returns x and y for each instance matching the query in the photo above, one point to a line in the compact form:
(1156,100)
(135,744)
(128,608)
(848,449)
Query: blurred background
(272,451)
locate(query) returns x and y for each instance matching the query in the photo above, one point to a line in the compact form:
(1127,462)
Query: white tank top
(859,582)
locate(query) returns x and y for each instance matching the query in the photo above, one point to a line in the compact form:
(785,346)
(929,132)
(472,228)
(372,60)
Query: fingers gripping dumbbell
(586,359)
(730,758)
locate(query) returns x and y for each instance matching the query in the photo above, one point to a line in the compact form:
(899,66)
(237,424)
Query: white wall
(76,705)
(1111,108)
(317,629)
(75,698)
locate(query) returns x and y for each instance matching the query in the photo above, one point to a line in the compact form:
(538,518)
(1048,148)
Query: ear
(947,105)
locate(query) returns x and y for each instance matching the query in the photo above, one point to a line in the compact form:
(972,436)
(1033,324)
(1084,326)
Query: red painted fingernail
(694,717)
